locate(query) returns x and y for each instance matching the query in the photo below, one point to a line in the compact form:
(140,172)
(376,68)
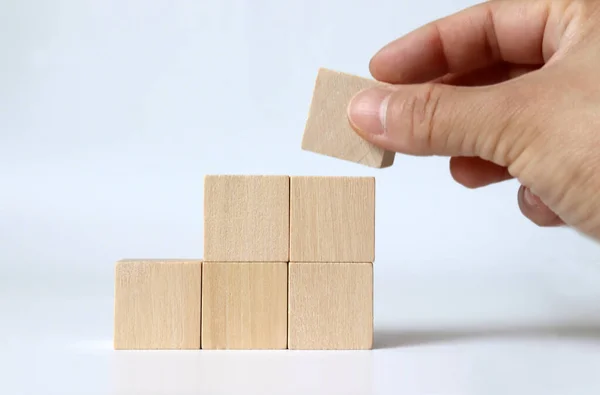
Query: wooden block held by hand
(330,306)
(332,219)
(244,305)
(246,218)
(328,130)
(157,304)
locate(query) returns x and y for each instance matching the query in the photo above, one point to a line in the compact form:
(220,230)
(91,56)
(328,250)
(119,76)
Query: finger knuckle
(421,112)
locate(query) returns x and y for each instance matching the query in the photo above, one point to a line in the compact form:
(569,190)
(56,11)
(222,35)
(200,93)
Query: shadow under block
(330,306)
(332,219)
(328,131)
(244,305)
(246,218)
(157,304)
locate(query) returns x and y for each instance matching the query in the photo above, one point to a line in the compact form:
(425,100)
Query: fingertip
(410,59)
(536,210)
(379,65)
(474,172)
(373,67)
(461,174)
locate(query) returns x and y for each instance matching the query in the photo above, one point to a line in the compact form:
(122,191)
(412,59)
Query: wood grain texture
(330,306)
(157,304)
(244,305)
(332,219)
(328,131)
(246,218)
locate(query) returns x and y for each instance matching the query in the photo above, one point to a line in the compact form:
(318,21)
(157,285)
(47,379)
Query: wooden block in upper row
(330,306)
(157,304)
(281,219)
(328,130)
(332,219)
(244,305)
(246,218)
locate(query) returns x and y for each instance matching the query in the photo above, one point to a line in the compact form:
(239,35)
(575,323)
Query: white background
(111,112)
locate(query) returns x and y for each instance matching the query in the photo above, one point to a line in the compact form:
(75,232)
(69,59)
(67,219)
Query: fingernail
(368,109)
(530,198)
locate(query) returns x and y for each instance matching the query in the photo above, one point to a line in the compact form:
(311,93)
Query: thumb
(436,119)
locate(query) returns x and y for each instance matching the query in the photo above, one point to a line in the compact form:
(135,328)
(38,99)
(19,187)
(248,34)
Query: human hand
(507,88)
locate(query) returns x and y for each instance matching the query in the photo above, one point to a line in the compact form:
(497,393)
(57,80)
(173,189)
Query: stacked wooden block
(288,263)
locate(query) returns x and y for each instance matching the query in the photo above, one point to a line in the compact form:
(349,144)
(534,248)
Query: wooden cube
(328,129)
(246,218)
(244,305)
(330,306)
(157,304)
(332,219)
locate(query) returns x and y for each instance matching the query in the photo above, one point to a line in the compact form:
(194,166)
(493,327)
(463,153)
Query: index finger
(518,32)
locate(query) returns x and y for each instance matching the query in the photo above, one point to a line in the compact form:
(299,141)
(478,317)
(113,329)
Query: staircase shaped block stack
(288,264)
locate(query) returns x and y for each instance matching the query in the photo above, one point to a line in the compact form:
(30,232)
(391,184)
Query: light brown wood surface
(332,219)
(244,305)
(246,218)
(330,306)
(328,131)
(157,304)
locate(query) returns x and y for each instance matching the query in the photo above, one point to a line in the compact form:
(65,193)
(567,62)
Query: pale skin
(506,89)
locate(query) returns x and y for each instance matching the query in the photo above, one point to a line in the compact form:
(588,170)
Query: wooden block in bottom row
(187,304)
(330,306)
(157,304)
(244,305)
